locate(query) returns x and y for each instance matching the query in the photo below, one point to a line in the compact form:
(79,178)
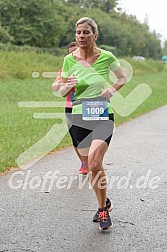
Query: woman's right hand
(72,81)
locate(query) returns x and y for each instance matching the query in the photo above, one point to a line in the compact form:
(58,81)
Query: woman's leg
(97,174)
(72,134)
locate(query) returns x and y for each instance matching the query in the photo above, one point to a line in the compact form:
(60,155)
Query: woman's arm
(67,85)
(56,84)
(121,80)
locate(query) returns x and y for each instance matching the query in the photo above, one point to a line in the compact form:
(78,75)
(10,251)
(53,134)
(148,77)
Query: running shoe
(82,166)
(105,220)
(82,169)
(109,207)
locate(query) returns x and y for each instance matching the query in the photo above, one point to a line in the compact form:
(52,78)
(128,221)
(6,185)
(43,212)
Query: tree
(164,48)
(104,5)
(5,37)
(51,23)
(32,22)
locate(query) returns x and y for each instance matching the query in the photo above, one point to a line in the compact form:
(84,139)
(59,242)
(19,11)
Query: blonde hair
(88,21)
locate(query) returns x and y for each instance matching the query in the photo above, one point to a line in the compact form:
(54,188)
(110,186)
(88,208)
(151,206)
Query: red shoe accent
(80,169)
(83,171)
(103,215)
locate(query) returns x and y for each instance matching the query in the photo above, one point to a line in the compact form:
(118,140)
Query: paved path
(37,218)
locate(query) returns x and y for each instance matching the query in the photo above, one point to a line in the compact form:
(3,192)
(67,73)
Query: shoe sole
(83,173)
(105,229)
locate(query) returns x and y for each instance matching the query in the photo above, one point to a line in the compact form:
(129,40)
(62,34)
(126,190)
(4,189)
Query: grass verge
(19,130)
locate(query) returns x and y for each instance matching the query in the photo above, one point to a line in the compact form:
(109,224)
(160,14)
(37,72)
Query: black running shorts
(84,132)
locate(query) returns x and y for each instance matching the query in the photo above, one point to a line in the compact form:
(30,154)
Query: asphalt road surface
(49,207)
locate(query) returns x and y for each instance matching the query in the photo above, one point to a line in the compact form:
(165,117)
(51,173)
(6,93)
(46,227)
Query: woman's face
(85,36)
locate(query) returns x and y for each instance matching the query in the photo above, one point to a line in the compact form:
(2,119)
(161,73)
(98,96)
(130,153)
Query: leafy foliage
(51,24)
(32,22)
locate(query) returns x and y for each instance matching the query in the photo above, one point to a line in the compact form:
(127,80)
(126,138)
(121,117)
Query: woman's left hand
(108,92)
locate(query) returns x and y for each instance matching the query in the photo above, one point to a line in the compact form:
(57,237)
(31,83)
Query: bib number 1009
(95,111)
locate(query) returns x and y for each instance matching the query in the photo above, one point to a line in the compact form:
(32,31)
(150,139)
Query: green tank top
(93,79)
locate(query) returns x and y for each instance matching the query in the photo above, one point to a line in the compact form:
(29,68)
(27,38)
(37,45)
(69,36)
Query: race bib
(94,110)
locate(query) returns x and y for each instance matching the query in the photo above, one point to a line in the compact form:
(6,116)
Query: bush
(108,48)
(14,48)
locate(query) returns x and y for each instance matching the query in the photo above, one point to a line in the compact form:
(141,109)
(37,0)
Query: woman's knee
(94,164)
(95,159)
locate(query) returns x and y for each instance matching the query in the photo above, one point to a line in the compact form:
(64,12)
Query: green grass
(158,84)
(20,65)
(19,130)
